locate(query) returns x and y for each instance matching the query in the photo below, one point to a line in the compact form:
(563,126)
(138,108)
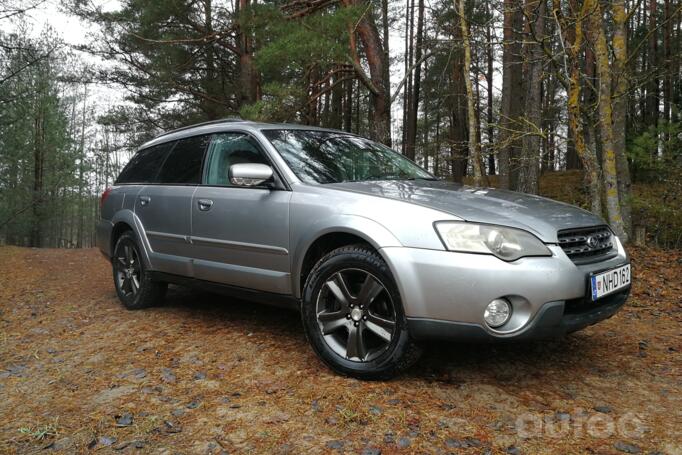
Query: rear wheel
(134,286)
(354,317)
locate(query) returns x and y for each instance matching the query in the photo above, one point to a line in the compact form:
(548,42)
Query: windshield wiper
(431,179)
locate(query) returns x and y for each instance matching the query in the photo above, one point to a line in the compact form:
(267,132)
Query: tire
(134,286)
(353,315)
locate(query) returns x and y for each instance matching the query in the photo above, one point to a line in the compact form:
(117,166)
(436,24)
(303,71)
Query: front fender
(372,232)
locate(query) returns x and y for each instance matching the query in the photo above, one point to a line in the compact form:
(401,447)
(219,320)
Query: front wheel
(353,315)
(134,286)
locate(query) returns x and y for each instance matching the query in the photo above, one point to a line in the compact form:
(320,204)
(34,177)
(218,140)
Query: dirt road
(205,374)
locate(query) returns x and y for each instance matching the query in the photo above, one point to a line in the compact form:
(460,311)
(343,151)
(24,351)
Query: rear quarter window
(144,166)
(183,165)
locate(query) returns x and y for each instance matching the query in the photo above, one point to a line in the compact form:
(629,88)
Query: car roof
(228,124)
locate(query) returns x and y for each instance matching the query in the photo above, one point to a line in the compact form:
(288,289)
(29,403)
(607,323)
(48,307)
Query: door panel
(243,239)
(165,209)
(165,214)
(240,235)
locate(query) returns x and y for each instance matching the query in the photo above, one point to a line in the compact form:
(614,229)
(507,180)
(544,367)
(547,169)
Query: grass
(40,433)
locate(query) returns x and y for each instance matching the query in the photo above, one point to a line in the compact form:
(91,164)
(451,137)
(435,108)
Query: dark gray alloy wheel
(353,315)
(128,271)
(356,315)
(134,287)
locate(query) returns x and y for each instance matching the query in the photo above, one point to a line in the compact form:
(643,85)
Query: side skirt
(251,295)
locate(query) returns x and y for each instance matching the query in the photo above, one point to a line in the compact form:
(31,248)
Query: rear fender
(128,217)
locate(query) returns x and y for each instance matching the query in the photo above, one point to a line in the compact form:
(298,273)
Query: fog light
(497,313)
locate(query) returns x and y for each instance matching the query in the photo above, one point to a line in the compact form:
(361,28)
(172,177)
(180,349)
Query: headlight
(508,244)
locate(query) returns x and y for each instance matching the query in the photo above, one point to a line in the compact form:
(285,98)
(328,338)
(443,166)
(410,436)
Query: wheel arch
(126,220)
(322,238)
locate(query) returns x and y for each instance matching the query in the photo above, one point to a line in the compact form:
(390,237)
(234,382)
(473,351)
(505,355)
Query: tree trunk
(489,91)
(458,116)
(248,76)
(572,158)
(530,159)
(621,89)
(407,92)
(348,105)
(380,121)
(474,145)
(667,79)
(652,95)
(387,60)
(574,37)
(512,99)
(38,168)
(609,170)
(335,120)
(81,169)
(413,109)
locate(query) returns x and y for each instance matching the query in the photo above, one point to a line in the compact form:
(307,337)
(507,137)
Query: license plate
(608,282)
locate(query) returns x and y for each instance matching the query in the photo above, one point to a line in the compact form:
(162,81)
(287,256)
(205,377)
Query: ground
(205,374)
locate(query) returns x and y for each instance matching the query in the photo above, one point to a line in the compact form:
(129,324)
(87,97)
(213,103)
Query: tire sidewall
(389,362)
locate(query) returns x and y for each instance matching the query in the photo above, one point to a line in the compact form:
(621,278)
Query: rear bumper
(553,320)
(103,230)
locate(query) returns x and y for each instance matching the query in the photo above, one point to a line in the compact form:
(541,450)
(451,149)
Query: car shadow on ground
(442,361)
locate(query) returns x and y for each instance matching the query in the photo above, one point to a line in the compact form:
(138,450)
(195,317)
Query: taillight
(104,197)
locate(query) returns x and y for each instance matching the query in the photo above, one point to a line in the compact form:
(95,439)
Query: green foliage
(167,54)
(42,168)
(291,46)
(653,152)
(280,103)
(657,208)
(39,433)
(291,53)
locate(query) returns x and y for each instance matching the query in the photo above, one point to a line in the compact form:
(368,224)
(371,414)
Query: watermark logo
(579,423)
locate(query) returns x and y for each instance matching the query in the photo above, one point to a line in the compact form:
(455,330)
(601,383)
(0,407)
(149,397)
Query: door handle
(144,200)
(205,204)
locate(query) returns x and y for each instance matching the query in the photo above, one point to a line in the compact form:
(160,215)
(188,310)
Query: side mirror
(250,174)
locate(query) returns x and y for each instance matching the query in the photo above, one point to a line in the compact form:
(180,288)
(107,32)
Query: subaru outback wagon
(375,252)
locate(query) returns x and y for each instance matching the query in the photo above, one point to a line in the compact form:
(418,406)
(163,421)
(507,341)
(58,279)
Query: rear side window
(183,165)
(144,166)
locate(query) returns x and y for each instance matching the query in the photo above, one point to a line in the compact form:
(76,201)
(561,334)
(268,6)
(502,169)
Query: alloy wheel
(356,315)
(128,271)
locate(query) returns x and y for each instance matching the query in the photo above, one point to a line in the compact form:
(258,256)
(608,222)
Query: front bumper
(553,320)
(445,293)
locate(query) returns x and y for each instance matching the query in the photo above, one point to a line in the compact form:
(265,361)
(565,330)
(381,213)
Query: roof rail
(211,122)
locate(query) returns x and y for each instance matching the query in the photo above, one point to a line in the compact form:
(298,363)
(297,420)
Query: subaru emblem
(592,241)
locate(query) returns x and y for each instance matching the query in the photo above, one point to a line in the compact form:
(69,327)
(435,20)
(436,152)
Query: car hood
(539,215)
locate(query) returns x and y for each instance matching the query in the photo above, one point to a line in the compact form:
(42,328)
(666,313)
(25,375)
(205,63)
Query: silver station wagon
(375,252)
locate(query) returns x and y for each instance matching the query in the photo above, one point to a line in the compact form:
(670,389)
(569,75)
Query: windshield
(330,157)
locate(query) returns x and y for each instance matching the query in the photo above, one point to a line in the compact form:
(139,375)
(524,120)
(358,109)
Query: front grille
(585,245)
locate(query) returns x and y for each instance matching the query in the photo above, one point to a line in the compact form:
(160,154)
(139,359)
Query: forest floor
(204,374)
